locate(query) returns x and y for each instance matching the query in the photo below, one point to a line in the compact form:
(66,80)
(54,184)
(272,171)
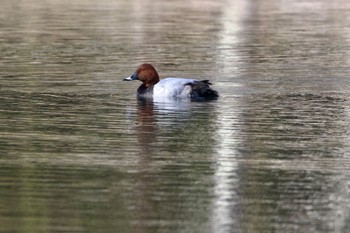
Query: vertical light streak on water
(341,194)
(225,177)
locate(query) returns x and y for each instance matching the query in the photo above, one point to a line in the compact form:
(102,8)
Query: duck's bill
(130,78)
(127,79)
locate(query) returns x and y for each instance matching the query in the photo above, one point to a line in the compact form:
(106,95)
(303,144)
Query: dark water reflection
(79,152)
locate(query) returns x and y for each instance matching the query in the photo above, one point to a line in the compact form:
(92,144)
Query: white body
(173,87)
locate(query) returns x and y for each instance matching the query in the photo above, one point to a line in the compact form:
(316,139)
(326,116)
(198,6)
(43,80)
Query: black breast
(144,91)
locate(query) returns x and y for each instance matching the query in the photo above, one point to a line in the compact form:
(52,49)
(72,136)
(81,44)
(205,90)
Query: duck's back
(171,87)
(183,87)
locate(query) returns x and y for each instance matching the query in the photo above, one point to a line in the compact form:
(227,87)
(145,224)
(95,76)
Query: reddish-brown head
(146,73)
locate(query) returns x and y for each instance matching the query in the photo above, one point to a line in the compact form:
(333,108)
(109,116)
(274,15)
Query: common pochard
(152,87)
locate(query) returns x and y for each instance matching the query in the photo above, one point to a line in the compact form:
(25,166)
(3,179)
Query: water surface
(79,152)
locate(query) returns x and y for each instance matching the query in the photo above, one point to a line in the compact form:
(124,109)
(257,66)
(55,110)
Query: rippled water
(79,153)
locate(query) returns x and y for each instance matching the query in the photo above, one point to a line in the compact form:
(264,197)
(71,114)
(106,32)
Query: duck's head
(146,73)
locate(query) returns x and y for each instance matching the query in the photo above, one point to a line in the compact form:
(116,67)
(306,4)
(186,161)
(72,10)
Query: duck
(153,87)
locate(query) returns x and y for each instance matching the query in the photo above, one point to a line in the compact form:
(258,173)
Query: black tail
(201,89)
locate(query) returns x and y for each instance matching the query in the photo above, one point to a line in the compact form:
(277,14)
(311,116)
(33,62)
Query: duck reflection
(146,128)
(176,141)
(157,119)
